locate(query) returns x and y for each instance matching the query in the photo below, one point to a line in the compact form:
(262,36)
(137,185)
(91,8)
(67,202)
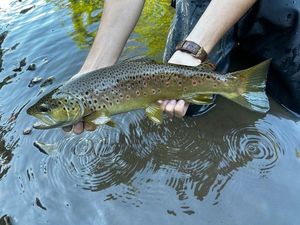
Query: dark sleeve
(272,30)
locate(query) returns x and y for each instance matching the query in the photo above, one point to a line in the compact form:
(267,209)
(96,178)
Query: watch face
(193,48)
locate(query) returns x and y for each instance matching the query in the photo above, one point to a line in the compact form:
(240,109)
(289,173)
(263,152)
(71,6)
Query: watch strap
(192,48)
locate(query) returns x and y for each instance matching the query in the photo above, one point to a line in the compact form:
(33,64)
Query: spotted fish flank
(139,84)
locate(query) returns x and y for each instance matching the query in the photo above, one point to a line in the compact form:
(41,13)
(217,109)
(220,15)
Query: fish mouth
(43,126)
(46,122)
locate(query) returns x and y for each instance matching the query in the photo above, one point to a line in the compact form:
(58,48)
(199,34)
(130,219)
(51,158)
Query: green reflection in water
(84,15)
(151,30)
(153,26)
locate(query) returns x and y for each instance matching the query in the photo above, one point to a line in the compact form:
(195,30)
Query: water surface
(230,166)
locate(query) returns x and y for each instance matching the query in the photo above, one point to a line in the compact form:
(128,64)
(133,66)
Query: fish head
(56,109)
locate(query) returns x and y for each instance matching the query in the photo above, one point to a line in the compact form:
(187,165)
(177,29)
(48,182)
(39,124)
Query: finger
(89,126)
(67,128)
(163,104)
(78,128)
(170,108)
(180,108)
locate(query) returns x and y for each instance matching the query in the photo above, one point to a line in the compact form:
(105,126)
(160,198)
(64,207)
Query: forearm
(217,19)
(118,20)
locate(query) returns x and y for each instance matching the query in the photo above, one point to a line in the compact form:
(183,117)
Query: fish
(138,84)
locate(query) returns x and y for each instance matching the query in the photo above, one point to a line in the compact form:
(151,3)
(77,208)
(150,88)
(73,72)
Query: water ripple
(250,144)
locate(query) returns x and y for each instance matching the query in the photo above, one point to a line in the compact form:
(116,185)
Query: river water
(229,166)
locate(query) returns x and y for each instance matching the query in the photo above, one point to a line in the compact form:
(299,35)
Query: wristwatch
(192,48)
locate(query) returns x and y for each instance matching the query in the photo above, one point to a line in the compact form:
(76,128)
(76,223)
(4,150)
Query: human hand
(79,127)
(174,107)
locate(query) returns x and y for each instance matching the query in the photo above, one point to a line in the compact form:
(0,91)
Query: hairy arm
(217,19)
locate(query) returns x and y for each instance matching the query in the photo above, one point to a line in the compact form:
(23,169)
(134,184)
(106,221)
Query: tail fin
(250,87)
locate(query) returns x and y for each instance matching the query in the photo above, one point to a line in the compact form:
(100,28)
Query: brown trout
(93,97)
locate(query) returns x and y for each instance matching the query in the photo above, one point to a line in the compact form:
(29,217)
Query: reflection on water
(156,14)
(230,162)
(85,17)
(180,154)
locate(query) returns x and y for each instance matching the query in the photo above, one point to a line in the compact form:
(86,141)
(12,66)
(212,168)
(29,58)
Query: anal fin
(200,99)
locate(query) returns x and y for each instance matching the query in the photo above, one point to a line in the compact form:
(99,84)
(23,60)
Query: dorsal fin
(207,65)
(142,59)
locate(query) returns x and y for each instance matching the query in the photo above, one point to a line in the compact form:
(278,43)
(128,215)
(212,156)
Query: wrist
(183,58)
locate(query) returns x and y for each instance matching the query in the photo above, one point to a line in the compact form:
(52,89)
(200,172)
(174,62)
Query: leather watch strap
(193,48)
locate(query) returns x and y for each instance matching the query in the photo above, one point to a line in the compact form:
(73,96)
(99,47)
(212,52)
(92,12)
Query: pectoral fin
(199,99)
(99,118)
(154,113)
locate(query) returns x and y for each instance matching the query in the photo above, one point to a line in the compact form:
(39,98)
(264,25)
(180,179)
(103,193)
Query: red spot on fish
(194,82)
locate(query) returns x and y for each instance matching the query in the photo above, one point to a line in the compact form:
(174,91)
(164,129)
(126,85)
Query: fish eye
(44,108)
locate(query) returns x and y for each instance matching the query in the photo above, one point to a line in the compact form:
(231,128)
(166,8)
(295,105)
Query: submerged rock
(31,67)
(48,149)
(27,131)
(23,11)
(297,153)
(21,64)
(47,82)
(34,81)
(5,220)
